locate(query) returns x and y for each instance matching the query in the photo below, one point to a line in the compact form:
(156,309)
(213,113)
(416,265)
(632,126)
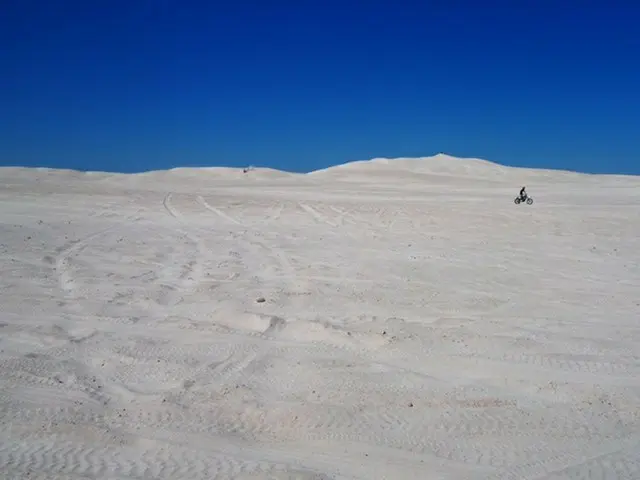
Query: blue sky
(299,85)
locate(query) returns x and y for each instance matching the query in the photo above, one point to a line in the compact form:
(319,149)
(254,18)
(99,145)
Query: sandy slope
(417,324)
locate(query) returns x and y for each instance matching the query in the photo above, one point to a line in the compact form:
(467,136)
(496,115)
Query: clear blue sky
(298,85)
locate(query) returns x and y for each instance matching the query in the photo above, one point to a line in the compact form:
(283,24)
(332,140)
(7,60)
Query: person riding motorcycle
(523,193)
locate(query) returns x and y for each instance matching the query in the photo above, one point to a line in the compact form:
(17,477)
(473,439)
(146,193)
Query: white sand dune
(416,324)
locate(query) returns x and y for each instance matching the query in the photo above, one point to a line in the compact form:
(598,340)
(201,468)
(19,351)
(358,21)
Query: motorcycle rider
(523,194)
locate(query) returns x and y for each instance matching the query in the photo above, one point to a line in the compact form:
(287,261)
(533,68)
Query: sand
(388,319)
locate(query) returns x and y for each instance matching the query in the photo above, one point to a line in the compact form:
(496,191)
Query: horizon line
(254,166)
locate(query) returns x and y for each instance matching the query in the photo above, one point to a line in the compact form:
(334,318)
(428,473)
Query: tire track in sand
(457,438)
(179,278)
(65,254)
(63,258)
(288,296)
(295,284)
(242,356)
(329,423)
(167,206)
(338,424)
(159,459)
(611,460)
(217,211)
(316,215)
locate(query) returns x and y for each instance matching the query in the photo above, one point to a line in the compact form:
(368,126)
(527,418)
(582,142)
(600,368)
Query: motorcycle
(524,198)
